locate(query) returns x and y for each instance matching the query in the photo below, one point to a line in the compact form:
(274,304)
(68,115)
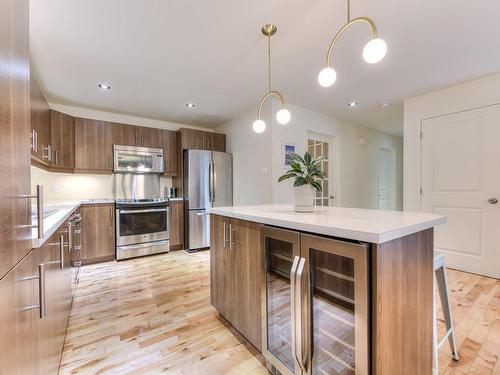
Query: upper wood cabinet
(151,137)
(170,152)
(63,140)
(15,238)
(127,135)
(41,148)
(201,140)
(93,146)
(98,235)
(130,135)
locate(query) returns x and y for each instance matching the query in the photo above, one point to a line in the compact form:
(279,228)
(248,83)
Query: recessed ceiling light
(352,104)
(104,86)
(190,105)
(384,104)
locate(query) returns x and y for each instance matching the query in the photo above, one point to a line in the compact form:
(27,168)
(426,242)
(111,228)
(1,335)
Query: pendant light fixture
(373,52)
(283,115)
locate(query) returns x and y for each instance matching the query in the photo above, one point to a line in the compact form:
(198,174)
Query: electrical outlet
(54,188)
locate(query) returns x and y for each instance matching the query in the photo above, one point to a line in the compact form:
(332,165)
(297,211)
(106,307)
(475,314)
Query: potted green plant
(307,174)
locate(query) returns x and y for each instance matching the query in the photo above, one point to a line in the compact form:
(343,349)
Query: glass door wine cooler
(315,304)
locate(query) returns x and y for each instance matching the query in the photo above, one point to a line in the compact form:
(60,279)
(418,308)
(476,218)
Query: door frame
(334,168)
(390,148)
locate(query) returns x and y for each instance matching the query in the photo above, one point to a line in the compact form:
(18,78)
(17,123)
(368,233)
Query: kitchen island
(338,291)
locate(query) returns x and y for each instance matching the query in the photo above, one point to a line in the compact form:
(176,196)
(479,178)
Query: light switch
(54,188)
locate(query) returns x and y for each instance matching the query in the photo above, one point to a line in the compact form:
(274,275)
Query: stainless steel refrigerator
(208,182)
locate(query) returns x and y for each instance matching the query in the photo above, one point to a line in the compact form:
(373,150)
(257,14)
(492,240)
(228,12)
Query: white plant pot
(304,198)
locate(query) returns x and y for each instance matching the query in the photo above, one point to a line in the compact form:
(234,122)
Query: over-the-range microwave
(131,159)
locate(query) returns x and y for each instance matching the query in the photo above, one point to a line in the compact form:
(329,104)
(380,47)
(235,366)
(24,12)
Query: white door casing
(460,174)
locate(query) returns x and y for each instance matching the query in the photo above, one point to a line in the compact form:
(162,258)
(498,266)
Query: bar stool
(442,284)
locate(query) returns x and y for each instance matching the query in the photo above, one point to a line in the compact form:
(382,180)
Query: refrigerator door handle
(299,318)
(210,182)
(213,181)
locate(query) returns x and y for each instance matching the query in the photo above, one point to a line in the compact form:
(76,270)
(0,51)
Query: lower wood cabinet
(97,233)
(55,257)
(236,274)
(18,320)
(32,341)
(176,224)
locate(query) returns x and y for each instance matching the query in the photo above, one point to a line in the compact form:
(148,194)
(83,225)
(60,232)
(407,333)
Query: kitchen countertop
(59,212)
(372,226)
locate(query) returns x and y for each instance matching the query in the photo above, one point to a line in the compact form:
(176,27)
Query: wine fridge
(314,304)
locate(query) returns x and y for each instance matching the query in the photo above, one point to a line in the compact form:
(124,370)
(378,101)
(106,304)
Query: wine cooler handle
(293,273)
(299,347)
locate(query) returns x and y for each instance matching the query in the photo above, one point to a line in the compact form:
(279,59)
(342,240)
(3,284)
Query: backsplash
(65,186)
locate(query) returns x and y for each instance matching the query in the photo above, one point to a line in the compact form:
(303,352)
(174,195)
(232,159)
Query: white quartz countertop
(372,226)
(57,213)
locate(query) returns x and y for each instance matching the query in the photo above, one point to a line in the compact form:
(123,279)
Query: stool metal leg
(442,284)
(434,337)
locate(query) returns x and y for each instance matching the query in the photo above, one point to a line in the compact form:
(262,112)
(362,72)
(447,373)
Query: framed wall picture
(288,148)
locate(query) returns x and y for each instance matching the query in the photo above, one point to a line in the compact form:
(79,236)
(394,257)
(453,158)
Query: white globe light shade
(327,77)
(374,51)
(283,116)
(259,126)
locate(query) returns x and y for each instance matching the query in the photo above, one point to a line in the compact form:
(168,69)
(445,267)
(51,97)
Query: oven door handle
(143,211)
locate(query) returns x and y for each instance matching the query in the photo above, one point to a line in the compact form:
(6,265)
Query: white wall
(252,160)
(465,96)
(76,186)
(357,175)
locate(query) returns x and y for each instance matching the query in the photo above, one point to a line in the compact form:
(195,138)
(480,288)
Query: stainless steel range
(141,214)
(142,227)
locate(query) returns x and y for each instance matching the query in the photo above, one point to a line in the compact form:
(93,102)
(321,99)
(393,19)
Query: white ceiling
(159,54)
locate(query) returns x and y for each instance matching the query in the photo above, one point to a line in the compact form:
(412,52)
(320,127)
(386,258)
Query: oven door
(139,225)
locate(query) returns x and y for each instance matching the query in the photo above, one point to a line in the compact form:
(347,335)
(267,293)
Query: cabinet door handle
(70,237)
(232,232)
(39,210)
(41,289)
(142,139)
(36,141)
(56,157)
(61,251)
(33,140)
(224,235)
(111,216)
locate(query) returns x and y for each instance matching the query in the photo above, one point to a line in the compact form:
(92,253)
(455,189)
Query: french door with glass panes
(319,145)
(315,304)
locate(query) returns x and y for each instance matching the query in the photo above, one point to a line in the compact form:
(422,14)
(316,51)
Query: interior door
(461,179)
(222,179)
(332,307)
(321,145)
(385,179)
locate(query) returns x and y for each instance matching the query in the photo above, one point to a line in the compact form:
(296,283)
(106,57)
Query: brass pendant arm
(268,95)
(344,28)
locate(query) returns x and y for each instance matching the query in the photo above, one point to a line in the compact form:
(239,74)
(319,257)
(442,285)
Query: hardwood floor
(475,303)
(153,315)
(149,316)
